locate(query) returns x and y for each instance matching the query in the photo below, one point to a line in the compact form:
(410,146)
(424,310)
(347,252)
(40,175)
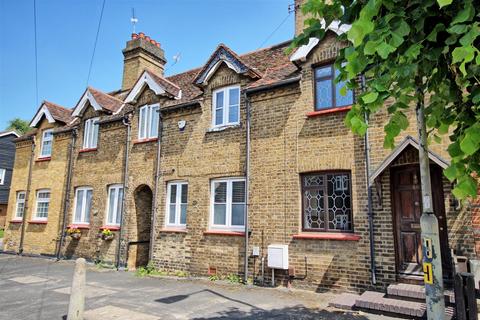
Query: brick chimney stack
(141,53)
(299,17)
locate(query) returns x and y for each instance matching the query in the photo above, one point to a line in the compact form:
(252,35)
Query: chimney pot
(153,42)
(147,38)
(141,35)
(134,36)
(157,44)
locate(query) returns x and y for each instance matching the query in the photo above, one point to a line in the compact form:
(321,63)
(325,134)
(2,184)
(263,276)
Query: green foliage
(413,52)
(233,278)
(19,125)
(1,233)
(214,277)
(103,265)
(150,270)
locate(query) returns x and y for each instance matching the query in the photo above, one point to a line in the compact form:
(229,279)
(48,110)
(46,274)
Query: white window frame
(84,206)
(117,205)
(228,212)
(46,139)
(2,175)
(90,133)
(20,201)
(38,200)
(178,203)
(226,106)
(146,123)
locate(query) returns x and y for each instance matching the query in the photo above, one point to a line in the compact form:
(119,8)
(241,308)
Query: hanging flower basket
(107,235)
(74,232)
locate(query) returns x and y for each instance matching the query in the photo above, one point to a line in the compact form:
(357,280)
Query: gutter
(126,121)
(369,196)
(66,205)
(27,195)
(153,218)
(274,85)
(247,178)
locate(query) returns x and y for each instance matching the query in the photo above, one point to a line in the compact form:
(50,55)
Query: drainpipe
(369,196)
(247,178)
(153,218)
(27,195)
(127,122)
(66,205)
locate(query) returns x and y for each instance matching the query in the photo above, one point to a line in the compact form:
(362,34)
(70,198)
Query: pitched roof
(224,54)
(9,132)
(53,112)
(408,141)
(158,84)
(99,101)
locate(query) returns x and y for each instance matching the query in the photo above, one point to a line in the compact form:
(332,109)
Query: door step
(401,300)
(412,291)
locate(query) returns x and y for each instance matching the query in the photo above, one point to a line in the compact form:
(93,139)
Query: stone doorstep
(414,291)
(377,301)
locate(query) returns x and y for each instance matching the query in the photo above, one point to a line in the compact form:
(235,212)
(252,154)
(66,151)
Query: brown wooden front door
(407,207)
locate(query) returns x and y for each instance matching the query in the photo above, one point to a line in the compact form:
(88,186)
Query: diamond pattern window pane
(324,94)
(327,202)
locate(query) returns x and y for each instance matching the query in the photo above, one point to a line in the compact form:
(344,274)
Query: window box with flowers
(107,234)
(74,232)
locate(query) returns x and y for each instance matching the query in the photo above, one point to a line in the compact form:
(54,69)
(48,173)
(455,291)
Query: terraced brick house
(203,170)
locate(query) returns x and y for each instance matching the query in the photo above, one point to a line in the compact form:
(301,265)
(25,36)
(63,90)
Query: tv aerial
(133,19)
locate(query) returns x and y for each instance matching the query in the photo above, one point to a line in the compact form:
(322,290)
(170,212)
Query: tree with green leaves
(423,54)
(19,125)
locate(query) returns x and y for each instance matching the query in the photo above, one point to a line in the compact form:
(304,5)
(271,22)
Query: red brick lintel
(144,140)
(328,111)
(328,236)
(111,228)
(173,230)
(224,233)
(43,159)
(87,150)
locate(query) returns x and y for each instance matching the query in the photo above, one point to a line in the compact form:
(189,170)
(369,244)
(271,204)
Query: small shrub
(214,277)
(234,278)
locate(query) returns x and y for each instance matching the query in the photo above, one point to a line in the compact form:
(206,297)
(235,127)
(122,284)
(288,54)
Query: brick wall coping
(224,233)
(174,230)
(38,222)
(43,159)
(138,141)
(79,226)
(328,236)
(87,150)
(328,111)
(111,228)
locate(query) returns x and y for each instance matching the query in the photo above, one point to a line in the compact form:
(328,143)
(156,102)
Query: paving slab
(116,313)
(90,291)
(28,279)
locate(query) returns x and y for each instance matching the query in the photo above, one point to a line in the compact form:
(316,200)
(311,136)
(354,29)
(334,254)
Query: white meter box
(278,256)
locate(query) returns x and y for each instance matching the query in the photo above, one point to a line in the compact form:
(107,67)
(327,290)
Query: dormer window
(90,133)
(46,149)
(148,122)
(226,106)
(327,92)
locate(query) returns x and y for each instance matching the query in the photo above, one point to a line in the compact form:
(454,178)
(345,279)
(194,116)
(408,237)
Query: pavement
(39,288)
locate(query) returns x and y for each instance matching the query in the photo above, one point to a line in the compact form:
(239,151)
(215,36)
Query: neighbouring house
(173,166)
(7,158)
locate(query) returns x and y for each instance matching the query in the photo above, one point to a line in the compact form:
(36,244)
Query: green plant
(1,233)
(214,277)
(180,273)
(103,265)
(234,278)
(107,232)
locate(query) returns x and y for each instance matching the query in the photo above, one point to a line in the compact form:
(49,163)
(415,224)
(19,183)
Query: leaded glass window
(327,203)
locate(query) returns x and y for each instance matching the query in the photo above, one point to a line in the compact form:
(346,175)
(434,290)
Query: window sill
(173,230)
(79,226)
(224,233)
(223,128)
(87,150)
(328,111)
(43,159)
(111,228)
(37,222)
(140,141)
(16,221)
(328,236)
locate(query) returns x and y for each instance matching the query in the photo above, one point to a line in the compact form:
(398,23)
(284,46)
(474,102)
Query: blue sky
(66,34)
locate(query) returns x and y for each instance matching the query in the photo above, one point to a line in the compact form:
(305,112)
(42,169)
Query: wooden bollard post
(77,294)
